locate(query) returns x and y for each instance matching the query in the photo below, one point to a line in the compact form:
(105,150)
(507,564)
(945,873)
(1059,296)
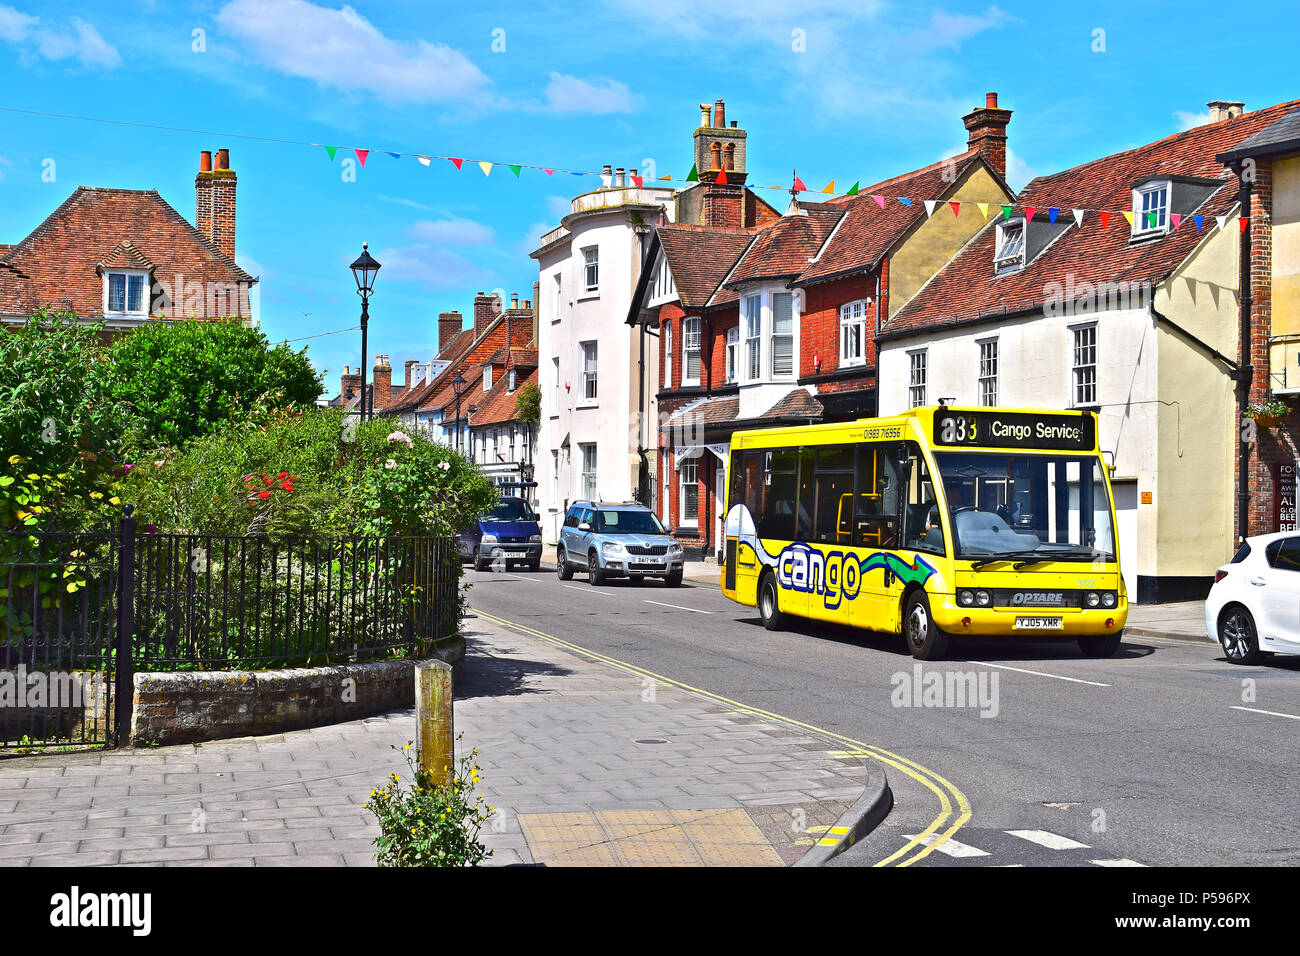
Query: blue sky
(876,89)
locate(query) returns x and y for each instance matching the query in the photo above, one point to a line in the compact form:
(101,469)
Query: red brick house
(122,256)
(773,321)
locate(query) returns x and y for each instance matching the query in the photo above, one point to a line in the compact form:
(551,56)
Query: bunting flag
(929,206)
(956,208)
(486,167)
(693,176)
(456,162)
(829,187)
(1242,223)
(665,178)
(1078,217)
(1105,218)
(395,155)
(905,201)
(1149,220)
(1129,216)
(853,190)
(1177,219)
(1221,220)
(1029,213)
(361,156)
(1198,219)
(331,150)
(1052,214)
(515,170)
(549,172)
(1006,212)
(798,184)
(637,181)
(722,177)
(424,160)
(880,201)
(984,210)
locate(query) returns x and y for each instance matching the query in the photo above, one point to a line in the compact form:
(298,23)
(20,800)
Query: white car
(1254,604)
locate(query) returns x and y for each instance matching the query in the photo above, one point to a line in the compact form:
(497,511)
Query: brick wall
(819,326)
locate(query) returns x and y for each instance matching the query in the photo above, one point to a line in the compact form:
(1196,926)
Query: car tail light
(1219,576)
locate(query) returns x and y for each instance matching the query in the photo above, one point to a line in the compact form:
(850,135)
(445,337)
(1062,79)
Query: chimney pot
(734,124)
(205,161)
(705,115)
(719,114)
(514,300)
(620,177)
(223,159)
(990,101)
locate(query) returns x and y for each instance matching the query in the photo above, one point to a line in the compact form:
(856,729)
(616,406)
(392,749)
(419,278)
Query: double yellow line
(954,808)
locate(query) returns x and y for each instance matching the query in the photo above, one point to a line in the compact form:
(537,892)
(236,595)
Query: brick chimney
(349,384)
(486,308)
(449,326)
(987,132)
(407,381)
(719,147)
(381,390)
(214,199)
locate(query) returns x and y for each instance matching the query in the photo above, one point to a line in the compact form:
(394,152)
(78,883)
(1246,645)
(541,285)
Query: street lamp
(364,271)
(458,385)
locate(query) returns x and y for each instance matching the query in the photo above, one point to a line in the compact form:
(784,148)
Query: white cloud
(1188,120)
(532,237)
(343,50)
(951,30)
(570,94)
(559,206)
(76,39)
(1019,173)
(403,201)
(450,232)
(430,266)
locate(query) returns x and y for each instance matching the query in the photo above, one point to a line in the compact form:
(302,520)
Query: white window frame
(591,269)
(1004,263)
(691,325)
(733,352)
(918,361)
(752,319)
(590,363)
(588,473)
(792,335)
(487,378)
(689,469)
(668,354)
(559,296)
(511,379)
(1140,196)
(127,275)
(853,316)
(555,406)
(988,371)
(1083,374)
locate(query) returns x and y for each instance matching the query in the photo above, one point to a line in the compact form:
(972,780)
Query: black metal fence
(94,608)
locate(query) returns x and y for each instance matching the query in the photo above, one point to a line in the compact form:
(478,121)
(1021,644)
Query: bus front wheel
(925,639)
(1100,645)
(769,608)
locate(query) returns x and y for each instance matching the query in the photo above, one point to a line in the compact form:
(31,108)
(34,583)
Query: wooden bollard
(436,734)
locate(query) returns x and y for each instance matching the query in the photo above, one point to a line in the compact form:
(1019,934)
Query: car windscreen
(609,521)
(511,509)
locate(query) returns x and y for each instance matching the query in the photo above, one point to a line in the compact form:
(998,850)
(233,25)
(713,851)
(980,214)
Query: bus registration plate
(1039,623)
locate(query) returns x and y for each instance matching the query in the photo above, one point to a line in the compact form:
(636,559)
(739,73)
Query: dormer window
(126,293)
(487,377)
(1009,254)
(510,379)
(1151,209)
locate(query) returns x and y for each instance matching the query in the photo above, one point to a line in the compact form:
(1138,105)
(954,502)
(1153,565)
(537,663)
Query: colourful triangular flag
(1177,219)
(693,176)
(798,184)
(1078,217)
(984,209)
(853,190)
(1149,220)
(637,181)
(515,170)
(395,155)
(722,177)
(1006,212)
(955,207)
(1105,218)
(829,187)
(880,201)
(905,201)
(424,160)
(1198,219)
(486,167)
(929,206)
(361,156)
(331,150)
(456,162)
(1128,215)
(549,172)
(1029,213)
(1243,222)
(1052,214)
(1221,220)
(665,178)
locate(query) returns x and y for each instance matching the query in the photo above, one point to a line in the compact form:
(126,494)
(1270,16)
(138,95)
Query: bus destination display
(998,429)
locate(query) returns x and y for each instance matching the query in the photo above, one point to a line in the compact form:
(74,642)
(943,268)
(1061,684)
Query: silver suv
(614,540)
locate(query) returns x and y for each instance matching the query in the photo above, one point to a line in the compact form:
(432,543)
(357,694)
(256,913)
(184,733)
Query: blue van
(509,531)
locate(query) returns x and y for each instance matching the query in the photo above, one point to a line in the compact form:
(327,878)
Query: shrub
(430,825)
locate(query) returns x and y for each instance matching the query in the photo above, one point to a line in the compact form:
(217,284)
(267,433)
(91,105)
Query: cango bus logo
(836,575)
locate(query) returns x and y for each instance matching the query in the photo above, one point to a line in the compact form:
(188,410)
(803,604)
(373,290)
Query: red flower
(282,475)
(263,494)
(267,480)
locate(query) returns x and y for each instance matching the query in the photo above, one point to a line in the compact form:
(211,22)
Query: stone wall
(188,707)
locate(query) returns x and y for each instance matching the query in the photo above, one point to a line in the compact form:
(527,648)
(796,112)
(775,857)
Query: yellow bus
(937,523)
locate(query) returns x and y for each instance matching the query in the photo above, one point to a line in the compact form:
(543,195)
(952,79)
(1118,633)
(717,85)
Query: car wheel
(674,579)
(595,577)
(562,565)
(534,565)
(1237,635)
(925,639)
(769,607)
(478,561)
(1100,645)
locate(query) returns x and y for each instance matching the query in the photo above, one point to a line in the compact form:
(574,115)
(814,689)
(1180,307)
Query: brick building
(123,256)
(768,320)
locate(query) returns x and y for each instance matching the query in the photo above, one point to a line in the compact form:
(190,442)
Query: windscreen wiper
(1006,556)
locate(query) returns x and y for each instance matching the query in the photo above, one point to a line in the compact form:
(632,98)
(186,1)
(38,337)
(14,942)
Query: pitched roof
(499,404)
(782,250)
(57,263)
(795,405)
(700,258)
(453,352)
(966,288)
(1280,137)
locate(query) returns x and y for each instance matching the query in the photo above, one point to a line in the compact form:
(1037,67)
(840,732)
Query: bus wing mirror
(1108,458)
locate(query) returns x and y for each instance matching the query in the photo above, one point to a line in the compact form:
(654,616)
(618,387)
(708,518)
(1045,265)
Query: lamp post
(364,271)
(458,385)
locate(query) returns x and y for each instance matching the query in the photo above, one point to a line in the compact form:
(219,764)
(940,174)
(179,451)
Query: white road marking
(693,610)
(949,847)
(1119,862)
(573,587)
(1053,841)
(1271,713)
(1021,670)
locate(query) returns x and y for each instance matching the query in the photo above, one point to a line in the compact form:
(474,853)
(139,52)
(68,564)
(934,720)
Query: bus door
(877,534)
(742,563)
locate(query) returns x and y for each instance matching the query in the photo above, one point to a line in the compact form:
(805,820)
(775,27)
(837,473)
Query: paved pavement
(587,763)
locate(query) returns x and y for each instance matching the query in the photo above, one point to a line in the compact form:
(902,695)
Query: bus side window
(804,526)
(875,523)
(918,505)
(833,483)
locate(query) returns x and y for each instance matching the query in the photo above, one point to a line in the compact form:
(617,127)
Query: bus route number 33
(956,429)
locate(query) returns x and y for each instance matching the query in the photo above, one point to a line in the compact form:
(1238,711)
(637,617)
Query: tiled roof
(966,288)
(782,250)
(56,264)
(700,258)
(453,352)
(795,404)
(1283,135)
(125,256)
(498,405)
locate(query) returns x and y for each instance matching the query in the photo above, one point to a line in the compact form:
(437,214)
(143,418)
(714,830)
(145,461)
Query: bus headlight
(983,598)
(1108,599)
(965,598)
(1092,599)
